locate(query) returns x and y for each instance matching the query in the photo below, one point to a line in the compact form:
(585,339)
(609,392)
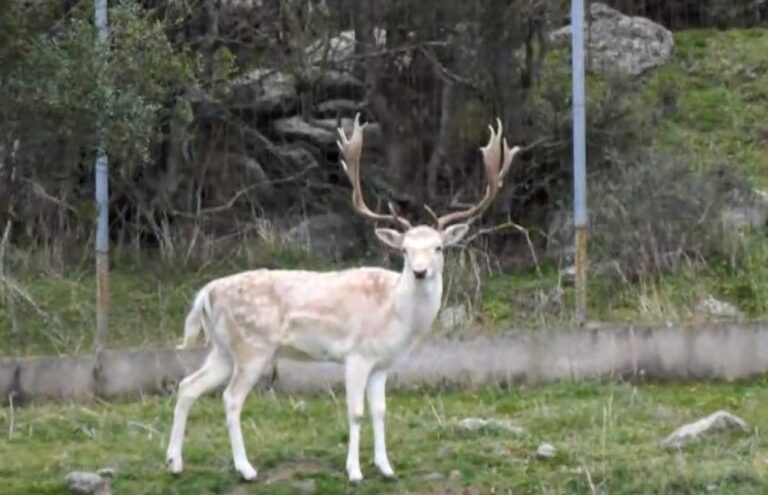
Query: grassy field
(716,93)
(606,436)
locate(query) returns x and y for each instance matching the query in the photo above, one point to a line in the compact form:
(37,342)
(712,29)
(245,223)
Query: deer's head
(422,245)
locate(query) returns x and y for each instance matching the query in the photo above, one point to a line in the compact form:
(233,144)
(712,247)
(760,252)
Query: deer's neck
(417,302)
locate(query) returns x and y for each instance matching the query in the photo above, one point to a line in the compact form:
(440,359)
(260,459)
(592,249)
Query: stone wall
(721,351)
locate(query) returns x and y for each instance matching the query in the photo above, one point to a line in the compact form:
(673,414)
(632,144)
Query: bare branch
(515,226)
(239,194)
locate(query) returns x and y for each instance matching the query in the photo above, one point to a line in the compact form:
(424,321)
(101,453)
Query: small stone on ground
(546,451)
(87,483)
(434,477)
(691,432)
(474,424)
(305,486)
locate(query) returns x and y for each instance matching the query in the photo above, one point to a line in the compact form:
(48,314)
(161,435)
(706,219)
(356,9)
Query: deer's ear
(391,238)
(454,233)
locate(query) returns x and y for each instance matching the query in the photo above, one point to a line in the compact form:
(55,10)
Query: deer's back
(319,315)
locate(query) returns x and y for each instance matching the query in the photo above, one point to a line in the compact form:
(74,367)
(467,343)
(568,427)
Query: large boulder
(297,157)
(321,132)
(264,91)
(297,129)
(338,106)
(616,42)
(338,51)
(329,83)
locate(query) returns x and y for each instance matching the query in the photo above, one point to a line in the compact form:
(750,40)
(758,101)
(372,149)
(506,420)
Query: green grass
(511,301)
(714,97)
(148,299)
(611,432)
(149,302)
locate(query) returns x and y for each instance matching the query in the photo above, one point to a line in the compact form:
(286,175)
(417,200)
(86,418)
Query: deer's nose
(420,274)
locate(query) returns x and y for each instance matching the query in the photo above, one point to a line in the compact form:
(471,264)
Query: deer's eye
(439,249)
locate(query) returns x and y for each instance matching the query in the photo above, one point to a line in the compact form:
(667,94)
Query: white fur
(365,318)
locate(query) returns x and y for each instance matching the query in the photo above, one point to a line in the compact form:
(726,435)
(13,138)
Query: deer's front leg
(377,403)
(357,370)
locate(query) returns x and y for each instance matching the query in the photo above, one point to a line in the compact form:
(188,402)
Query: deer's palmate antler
(364,317)
(497,157)
(351,150)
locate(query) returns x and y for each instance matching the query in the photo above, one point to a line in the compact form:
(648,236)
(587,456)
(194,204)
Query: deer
(365,318)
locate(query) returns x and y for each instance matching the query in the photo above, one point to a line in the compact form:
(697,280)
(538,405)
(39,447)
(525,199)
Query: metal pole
(579,160)
(102,203)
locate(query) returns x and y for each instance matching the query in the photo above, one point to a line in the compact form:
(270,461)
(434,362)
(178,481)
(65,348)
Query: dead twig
(508,225)
(40,191)
(592,486)
(7,295)
(11,411)
(446,74)
(15,287)
(239,194)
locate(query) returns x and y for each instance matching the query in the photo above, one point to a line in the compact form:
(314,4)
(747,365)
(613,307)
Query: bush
(654,212)
(57,84)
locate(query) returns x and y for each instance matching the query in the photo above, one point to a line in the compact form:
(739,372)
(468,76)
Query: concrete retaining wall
(724,351)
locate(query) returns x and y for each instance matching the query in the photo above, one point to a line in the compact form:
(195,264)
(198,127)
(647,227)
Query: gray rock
(434,477)
(546,451)
(305,486)
(330,236)
(619,43)
(87,483)
(265,91)
(322,132)
(751,214)
(330,84)
(295,128)
(107,472)
(338,51)
(692,432)
(710,306)
(339,106)
(297,157)
(475,424)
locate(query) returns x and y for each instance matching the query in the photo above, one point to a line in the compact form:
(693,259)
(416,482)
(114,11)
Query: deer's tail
(198,318)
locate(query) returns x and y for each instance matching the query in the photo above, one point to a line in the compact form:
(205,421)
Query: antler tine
(432,214)
(351,150)
(402,220)
(497,157)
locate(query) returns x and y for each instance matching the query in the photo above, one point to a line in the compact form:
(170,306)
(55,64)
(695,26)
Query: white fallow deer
(364,317)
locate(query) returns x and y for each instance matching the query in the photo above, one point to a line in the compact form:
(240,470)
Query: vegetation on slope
(706,105)
(707,109)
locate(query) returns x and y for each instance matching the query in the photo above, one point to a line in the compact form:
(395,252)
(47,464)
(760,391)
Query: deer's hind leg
(215,370)
(249,361)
